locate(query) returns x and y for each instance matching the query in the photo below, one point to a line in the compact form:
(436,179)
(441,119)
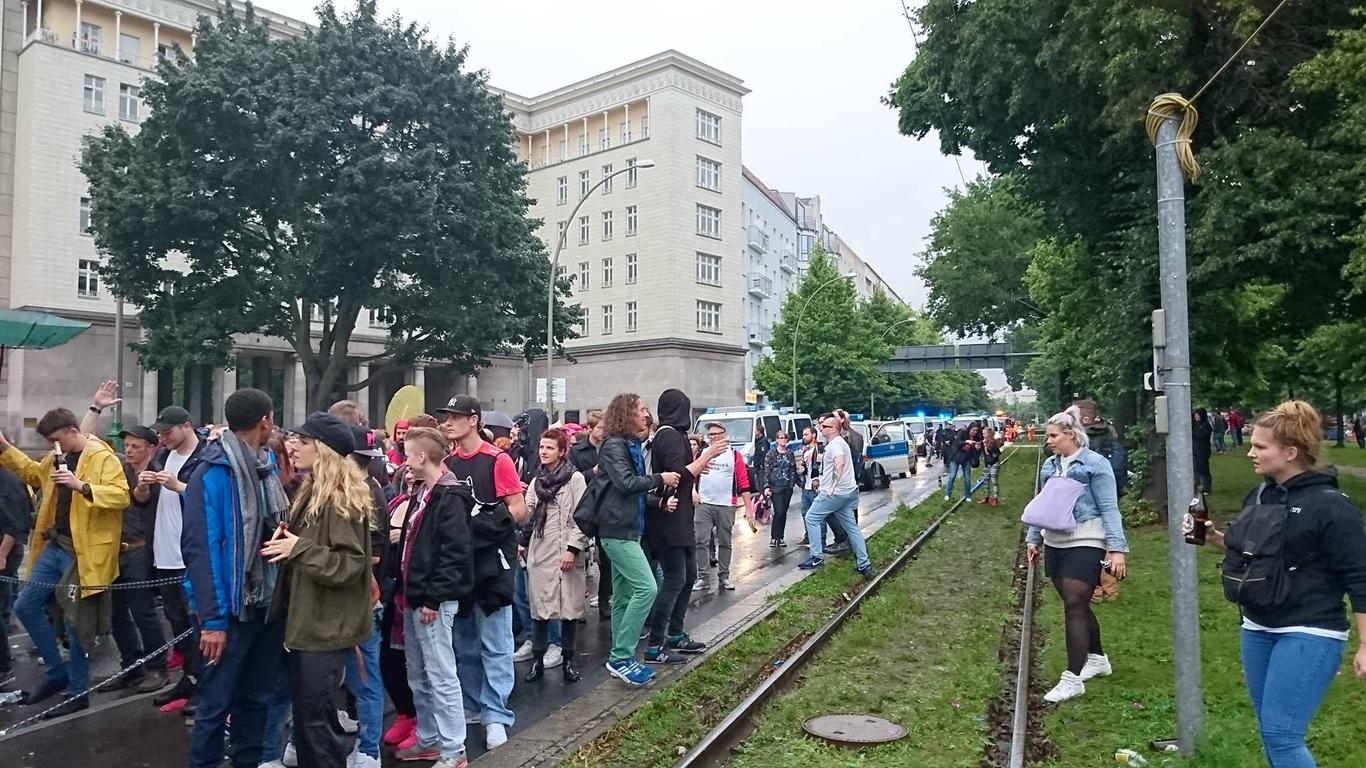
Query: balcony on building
(787,261)
(760,335)
(626,124)
(112,30)
(757,238)
(760,285)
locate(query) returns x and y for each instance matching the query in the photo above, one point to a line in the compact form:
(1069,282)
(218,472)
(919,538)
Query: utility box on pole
(1176,385)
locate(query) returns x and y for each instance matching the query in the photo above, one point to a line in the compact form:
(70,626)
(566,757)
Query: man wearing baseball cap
(483,628)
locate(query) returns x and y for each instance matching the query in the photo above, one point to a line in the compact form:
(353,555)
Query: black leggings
(1082,629)
(781,500)
(569,635)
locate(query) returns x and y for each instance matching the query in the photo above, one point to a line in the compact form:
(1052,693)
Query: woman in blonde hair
(326,583)
(1074,559)
(1293,640)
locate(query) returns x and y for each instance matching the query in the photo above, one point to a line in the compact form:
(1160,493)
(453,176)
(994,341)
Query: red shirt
(506,481)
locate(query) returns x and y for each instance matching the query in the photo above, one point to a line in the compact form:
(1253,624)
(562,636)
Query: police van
(741,421)
(886,451)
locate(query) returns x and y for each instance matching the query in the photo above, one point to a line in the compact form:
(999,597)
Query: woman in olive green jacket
(327,581)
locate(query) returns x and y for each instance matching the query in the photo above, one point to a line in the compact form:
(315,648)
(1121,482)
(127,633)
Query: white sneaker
(523,652)
(728,585)
(347,724)
(495,735)
(1096,666)
(700,585)
(272,764)
(291,758)
(593,602)
(362,760)
(554,657)
(471,718)
(1069,687)
(457,761)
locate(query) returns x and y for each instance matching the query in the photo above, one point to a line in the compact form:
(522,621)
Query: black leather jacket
(619,511)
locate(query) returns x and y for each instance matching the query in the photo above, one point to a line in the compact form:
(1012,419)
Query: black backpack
(1254,570)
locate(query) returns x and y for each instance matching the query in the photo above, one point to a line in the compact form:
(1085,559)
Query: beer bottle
(1196,520)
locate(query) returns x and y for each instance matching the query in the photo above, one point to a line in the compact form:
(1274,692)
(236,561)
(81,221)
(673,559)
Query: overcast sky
(812,124)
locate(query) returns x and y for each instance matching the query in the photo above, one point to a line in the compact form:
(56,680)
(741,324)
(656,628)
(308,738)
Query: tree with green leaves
(281,186)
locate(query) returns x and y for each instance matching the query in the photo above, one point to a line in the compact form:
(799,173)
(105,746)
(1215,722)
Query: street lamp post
(796,328)
(550,290)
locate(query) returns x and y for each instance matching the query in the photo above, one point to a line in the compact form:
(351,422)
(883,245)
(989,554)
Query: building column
(362,396)
(627,120)
(194,40)
(472,385)
(150,393)
(545,150)
(156,41)
(118,36)
(80,44)
(23,24)
(296,393)
(420,375)
(224,383)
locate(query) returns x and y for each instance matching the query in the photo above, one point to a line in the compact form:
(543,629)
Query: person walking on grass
(991,469)
(1293,642)
(621,523)
(1074,559)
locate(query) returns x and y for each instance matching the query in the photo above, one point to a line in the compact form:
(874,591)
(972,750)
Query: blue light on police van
(711,409)
(920,414)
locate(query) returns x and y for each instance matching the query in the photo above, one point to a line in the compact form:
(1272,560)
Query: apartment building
(811,228)
(769,255)
(67,69)
(656,255)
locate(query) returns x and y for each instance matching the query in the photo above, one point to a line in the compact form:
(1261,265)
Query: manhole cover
(853,730)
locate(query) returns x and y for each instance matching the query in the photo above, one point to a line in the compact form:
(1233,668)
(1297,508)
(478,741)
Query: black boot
(571,675)
(537,668)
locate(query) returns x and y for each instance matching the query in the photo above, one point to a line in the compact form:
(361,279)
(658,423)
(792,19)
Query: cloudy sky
(813,123)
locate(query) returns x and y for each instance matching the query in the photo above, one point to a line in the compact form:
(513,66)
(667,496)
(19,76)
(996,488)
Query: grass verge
(922,652)
(682,713)
(1137,703)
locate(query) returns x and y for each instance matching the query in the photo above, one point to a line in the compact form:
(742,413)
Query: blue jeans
(954,471)
(240,685)
(435,682)
(31,608)
(279,716)
(521,603)
(1287,677)
(842,506)
(483,650)
(369,694)
(1219,445)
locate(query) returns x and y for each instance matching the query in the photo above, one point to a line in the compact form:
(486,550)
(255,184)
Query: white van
(886,452)
(740,423)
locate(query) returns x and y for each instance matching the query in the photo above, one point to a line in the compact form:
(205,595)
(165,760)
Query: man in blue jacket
(233,504)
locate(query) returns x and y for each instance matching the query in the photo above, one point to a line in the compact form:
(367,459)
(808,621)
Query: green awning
(20,329)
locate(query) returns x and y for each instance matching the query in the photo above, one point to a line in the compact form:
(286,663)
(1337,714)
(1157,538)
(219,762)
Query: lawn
(923,652)
(1347,456)
(1136,704)
(683,712)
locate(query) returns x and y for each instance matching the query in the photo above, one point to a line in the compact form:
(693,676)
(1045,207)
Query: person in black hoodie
(669,531)
(1201,432)
(1292,650)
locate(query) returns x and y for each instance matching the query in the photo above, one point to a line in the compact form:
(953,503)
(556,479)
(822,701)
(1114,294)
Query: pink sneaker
(399,732)
(176,660)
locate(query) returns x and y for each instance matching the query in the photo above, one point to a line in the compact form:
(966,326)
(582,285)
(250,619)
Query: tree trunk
(1337,402)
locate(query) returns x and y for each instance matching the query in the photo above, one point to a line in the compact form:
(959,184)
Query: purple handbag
(1052,509)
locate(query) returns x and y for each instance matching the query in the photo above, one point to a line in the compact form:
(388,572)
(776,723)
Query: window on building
(607,179)
(607,272)
(607,319)
(584,230)
(163,51)
(632,173)
(632,220)
(88,278)
(130,101)
(91,38)
(708,269)
(708,221)
(604,138)
(381,318)
(583,324)
(94,94)
(632,317)
(585,183)
(804,243)
(708,174)
(583,275)
(564,149)
(560,234)
(709,317)
(130,49)
(562,190)
(560,272)
(625,132)
(708,127)
(645,127)
(583,143)
(606,225)
(85,216)
(632,269)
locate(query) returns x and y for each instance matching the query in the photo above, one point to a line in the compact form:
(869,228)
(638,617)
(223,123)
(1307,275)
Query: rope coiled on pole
(1168,105)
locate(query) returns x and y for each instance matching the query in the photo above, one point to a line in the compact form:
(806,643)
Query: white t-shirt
(166,540)
(844,482)
(717,484)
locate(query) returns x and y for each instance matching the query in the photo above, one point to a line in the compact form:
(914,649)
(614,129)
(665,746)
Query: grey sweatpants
(722,518)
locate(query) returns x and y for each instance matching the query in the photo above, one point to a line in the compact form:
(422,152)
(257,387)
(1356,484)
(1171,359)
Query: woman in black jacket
(1201,432)
(1292,649)
(621,522)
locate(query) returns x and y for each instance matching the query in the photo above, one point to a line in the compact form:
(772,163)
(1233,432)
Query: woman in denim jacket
(1073,560)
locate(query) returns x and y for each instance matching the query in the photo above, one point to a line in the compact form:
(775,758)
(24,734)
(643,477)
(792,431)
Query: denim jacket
(1100,499)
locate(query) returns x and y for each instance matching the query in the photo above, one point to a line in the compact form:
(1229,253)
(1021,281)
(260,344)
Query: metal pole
(1171,231)
(118,362)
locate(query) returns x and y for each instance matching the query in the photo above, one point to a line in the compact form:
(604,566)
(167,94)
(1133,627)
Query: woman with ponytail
(1292,643)
(1073,558)
(326,583)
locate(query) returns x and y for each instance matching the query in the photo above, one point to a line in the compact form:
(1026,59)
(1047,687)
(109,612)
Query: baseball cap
(328,430)
(365,442)
(142,433)
(171,416)
(464,405)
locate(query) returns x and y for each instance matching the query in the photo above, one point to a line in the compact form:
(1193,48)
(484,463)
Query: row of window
(586,182)
(130,98)
(608,225)
(91,40)
(708,318)
(708,271)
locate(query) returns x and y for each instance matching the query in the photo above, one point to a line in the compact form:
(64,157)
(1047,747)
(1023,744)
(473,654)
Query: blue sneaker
(811,563)
(629,672)
(658,655)
(684,644)
(866,571)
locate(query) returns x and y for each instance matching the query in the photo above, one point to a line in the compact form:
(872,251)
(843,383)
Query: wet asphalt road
(126,731)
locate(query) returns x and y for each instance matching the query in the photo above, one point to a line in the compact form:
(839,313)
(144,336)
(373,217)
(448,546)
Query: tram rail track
(1019,723)
(717,744)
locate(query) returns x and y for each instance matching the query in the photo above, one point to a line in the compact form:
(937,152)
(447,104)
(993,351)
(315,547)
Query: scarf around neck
(263,503)
(548,485)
